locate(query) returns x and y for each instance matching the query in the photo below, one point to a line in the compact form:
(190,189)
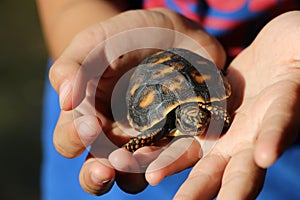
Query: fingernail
(107,182)
(98,181)
(64,91)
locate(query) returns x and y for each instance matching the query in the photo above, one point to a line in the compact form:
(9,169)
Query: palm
(267,90)
(264,94)
(265,79)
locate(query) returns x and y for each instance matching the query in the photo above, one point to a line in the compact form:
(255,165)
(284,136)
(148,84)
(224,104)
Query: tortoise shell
(169,78)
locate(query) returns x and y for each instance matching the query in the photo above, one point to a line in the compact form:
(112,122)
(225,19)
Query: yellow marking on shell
(200,78)
(201,62)
(164,89)
(158,53)
(177,83)
(134,88)
(175,86)
(162,73)
(147,100)
(163,59)
(217,99)
(168,109)
(194,99)
(178,66)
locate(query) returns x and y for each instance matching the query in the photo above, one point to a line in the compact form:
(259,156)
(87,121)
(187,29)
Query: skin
(55,16)
(265,123)
(265,79)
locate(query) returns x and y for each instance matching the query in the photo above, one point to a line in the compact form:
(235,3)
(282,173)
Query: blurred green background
(22,60)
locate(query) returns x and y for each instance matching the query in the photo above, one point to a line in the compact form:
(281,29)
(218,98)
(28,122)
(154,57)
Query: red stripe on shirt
(184,7)
(220,24)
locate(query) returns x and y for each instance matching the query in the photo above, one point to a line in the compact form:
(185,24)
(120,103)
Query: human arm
(62,19)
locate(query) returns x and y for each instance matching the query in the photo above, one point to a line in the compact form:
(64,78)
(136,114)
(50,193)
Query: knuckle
(52,76)
(55,74)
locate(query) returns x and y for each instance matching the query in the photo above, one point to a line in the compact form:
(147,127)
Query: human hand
(85,90)
(265,81)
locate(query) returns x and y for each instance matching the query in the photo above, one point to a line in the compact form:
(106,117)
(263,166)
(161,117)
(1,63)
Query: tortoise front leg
(151,136)
(217,113)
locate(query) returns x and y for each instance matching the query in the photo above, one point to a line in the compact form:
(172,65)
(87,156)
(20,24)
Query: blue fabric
(283,178)
(60,175)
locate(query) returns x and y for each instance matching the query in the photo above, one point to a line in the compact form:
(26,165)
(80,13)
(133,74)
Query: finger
(242,178)
(130,178)
(96,176)
(123,160)
(94,48)
(72,137)
(279,127)
(180,155)
(89,49)
(206,176)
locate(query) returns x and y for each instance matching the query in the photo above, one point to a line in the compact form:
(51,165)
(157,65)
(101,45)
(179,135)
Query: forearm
(63,19)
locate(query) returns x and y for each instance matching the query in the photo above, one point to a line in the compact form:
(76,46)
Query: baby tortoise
(174,89)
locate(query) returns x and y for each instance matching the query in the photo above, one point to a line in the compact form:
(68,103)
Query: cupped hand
(85,75)
(265,80)
(266,89)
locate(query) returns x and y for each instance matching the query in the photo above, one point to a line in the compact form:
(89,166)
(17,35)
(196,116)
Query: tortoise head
(191,119)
